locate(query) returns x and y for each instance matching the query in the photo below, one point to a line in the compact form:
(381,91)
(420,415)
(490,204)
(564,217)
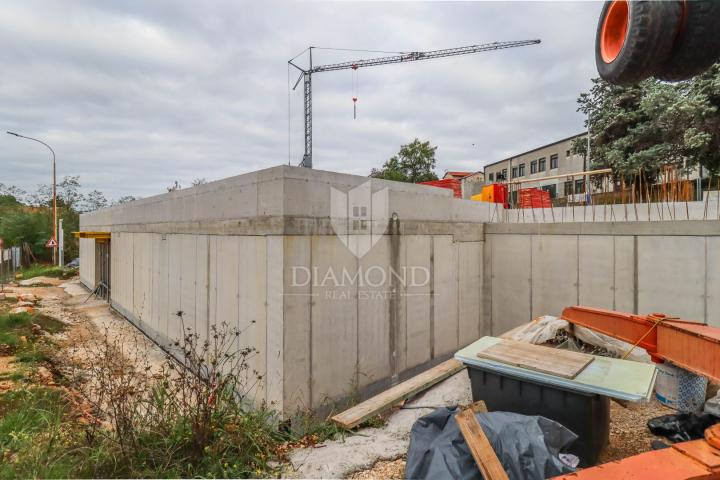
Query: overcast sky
(135,94)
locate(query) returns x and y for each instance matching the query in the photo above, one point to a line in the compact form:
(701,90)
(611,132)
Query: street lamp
(54,190)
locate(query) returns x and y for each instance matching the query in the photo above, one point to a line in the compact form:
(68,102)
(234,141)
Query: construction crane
(306,74)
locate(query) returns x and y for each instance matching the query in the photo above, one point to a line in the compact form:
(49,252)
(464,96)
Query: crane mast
(306,74)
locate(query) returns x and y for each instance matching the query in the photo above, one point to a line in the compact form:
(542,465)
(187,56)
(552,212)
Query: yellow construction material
(95,235)
(487,194)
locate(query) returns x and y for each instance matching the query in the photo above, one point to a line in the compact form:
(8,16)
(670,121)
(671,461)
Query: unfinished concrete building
(343,282)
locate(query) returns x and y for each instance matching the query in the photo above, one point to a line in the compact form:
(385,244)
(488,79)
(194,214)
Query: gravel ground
(384,469)
(629,436)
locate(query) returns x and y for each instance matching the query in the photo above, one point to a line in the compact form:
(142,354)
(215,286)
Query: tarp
(527,446)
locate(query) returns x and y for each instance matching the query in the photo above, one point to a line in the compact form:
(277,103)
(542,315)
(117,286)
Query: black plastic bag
(527,446)
(681,427)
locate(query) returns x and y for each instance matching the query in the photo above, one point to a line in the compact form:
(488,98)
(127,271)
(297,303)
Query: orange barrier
(690,345)
(449,183)
(695,460)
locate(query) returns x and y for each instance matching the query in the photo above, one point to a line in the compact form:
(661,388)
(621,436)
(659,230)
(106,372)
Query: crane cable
(355,85)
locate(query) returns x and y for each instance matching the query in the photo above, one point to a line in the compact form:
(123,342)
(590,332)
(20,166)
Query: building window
(550,188)
(579,186)
(541,164)
(533,167)
(490,177)
(568,187)
(514,172)
(567,153)
(504,174)
(521,170)
(553,161)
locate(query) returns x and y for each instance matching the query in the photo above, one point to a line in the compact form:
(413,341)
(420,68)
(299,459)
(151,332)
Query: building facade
(472,184)
(549,160)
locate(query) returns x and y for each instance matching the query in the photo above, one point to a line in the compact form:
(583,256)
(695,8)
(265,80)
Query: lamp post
(54,190)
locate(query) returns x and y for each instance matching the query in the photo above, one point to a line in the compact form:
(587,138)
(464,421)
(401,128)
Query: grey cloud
(133,95)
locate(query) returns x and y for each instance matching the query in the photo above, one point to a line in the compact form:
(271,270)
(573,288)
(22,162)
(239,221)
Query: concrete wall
(641,212)
(169,284)
(239,251)
(87,264)
(668,267)
(262,253)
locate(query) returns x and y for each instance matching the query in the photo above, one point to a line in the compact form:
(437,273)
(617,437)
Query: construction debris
(483,453)
(612,377)
(553,361)
(439,448)
(361,412)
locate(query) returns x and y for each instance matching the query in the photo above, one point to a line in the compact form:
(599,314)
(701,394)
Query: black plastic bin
(586,414)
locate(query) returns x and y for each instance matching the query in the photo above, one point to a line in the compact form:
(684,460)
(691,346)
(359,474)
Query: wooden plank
(479,407)
(356,415)
(562,363)
(480,447)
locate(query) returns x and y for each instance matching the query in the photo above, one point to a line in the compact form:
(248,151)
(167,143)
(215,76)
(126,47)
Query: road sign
(52,243)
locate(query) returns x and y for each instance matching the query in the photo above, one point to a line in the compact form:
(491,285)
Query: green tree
(8,201)
(415,162)
(702,138)
(27,225)
(92,201)
(123,200)
(28,219)
(651,124)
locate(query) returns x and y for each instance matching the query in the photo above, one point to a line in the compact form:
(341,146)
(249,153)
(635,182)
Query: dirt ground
(88,320)
(629,436)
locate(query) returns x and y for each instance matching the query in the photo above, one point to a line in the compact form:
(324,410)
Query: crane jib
(306,74)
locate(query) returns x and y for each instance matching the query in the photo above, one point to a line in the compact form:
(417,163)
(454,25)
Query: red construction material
(533,198)
(694,460)
(690,345)
(451,183)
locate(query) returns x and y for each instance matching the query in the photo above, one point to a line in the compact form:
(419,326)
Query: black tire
(651,29)
(697,46)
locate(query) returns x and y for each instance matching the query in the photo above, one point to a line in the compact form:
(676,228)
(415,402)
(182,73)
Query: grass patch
(13,321)
(34,354)
(21,323)
(18,338)
(7,338)
(34,434)
(39,270)
(15,376)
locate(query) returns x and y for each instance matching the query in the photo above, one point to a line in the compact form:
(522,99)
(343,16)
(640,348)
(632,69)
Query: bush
(184,418)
